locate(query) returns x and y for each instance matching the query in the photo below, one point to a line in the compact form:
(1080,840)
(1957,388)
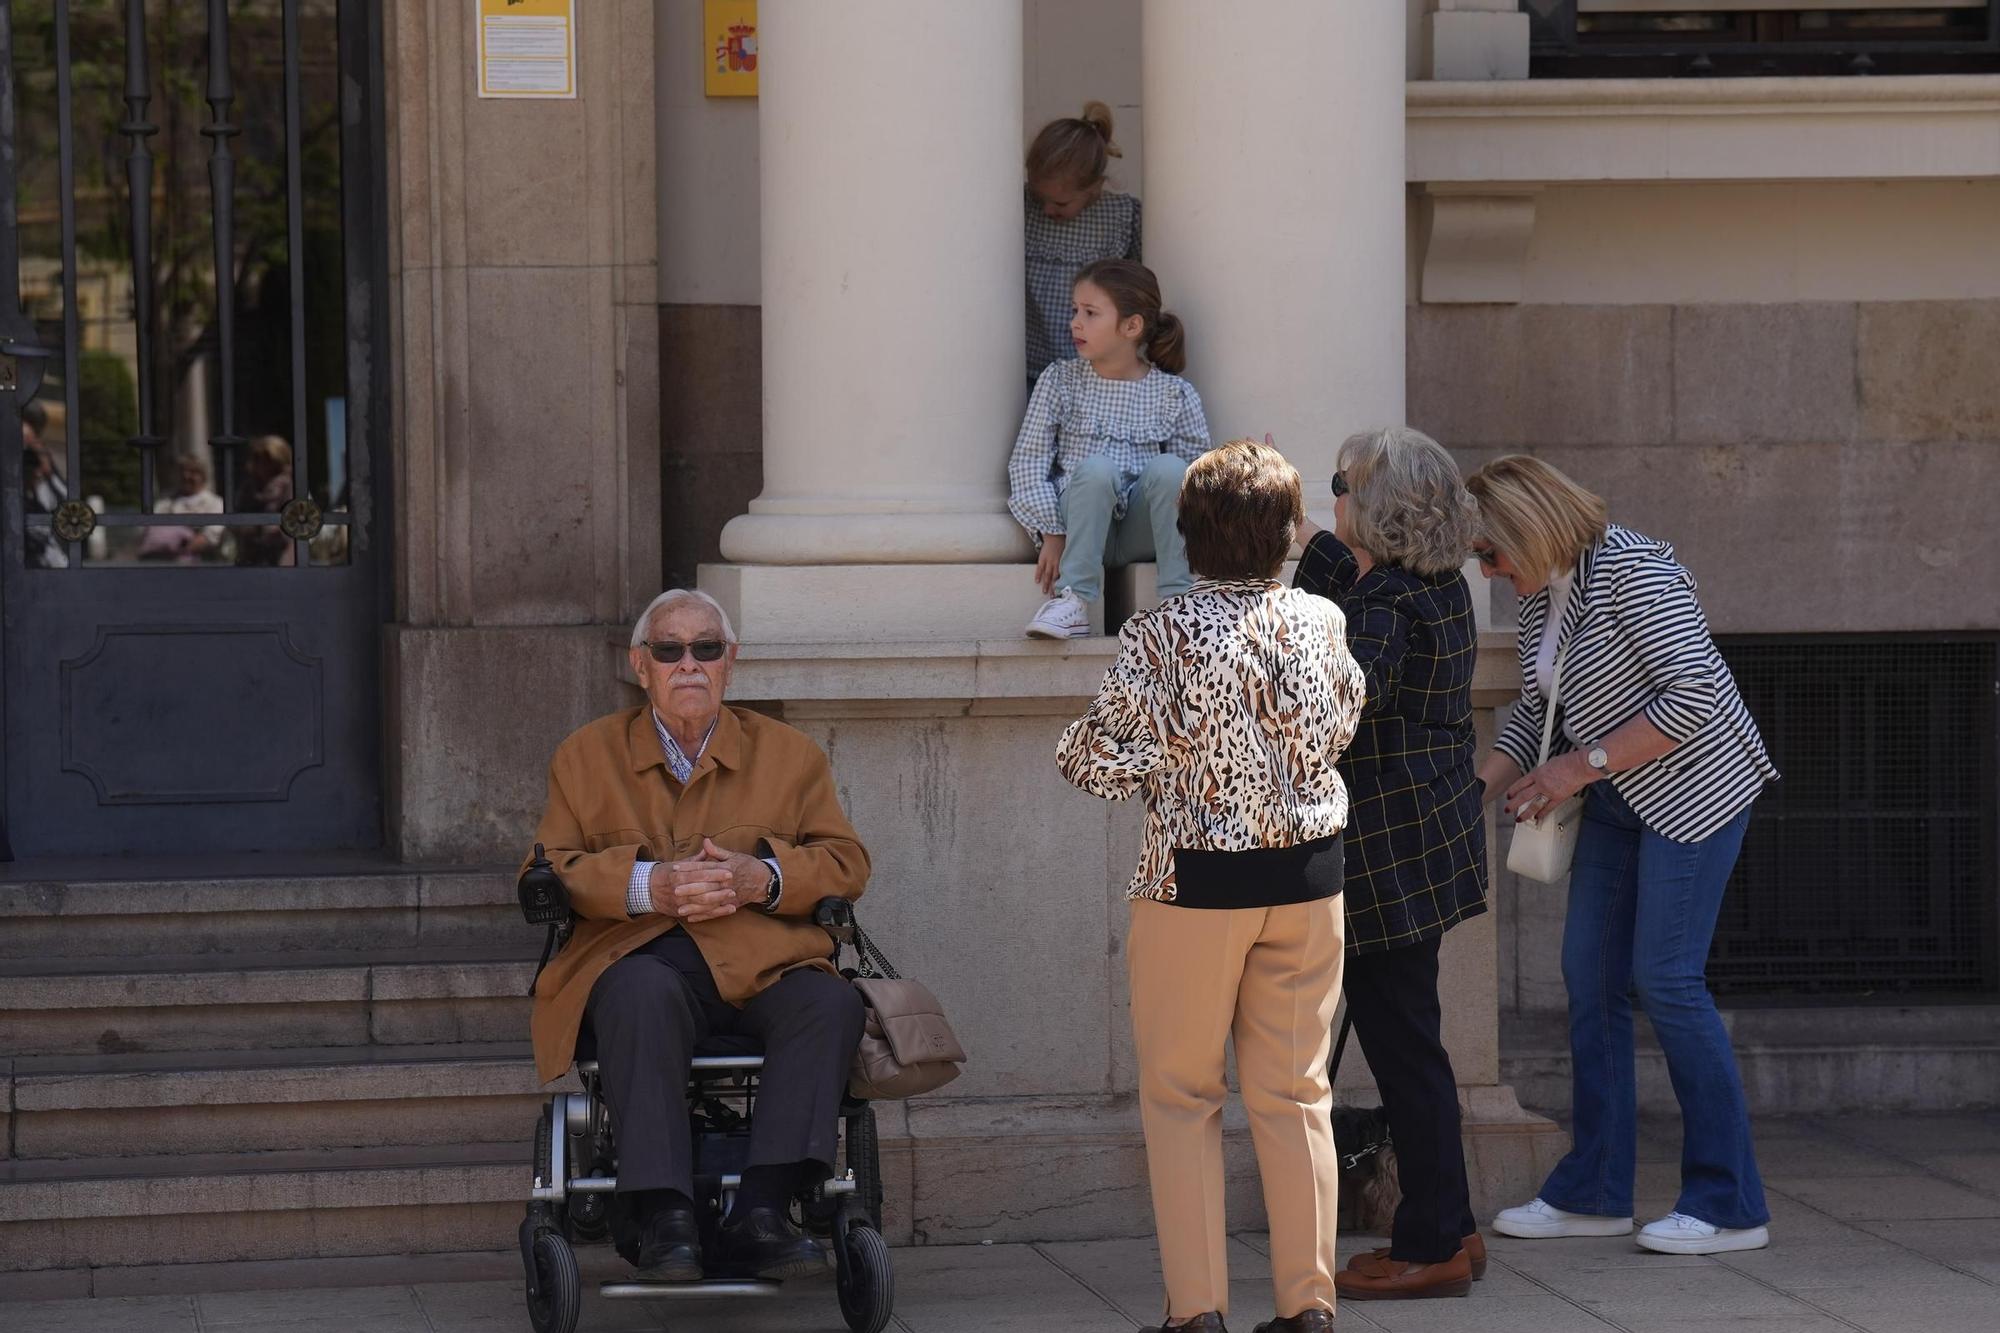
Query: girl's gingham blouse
(1075,413)
(1108,229)
(1228,708)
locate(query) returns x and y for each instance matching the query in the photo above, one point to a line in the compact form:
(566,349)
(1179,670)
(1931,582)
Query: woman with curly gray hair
(1416,843)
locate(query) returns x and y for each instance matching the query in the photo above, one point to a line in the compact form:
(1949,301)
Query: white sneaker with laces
(1536,1220)
(1677,1233)
(1063,616)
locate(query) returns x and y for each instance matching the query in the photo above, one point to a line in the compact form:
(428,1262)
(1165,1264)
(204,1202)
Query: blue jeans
(1642,912)
(1147,532)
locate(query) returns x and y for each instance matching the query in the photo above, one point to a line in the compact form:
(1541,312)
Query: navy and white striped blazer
(1634,640)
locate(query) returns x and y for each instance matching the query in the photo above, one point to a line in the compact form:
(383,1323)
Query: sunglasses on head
(1339,485)
(667,651)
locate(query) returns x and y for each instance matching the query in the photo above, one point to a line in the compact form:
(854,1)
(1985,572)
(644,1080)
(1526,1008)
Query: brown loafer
(1211,1322)
(1305,1321)
(1475,1250)
(1387,1279)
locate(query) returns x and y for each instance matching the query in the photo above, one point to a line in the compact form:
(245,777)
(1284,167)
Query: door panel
(189,582)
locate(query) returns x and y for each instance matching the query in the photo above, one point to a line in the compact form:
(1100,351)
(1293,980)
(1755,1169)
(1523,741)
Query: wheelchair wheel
(866,1283)
(560,1301)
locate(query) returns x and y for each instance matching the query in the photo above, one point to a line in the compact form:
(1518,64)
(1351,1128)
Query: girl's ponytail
(1075,150)
(1166,345)
(1135,291)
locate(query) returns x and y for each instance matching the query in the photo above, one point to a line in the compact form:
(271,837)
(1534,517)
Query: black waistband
(1261,877)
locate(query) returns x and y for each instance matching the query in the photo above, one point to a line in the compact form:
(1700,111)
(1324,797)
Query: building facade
(532,360)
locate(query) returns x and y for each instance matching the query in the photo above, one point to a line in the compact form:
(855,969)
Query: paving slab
(1874,1199)
(1952,1304)
(1974,1170)
(1126,1274)
(1013,1289)
(257,1309)
(117,1314)
(1971,1250)
(1543,1312)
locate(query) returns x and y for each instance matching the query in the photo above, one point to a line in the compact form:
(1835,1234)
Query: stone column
(890,145)
(1276,217)
(1275,213)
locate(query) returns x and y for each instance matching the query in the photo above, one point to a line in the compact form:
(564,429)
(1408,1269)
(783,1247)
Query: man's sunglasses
(666,650)
(1339,485)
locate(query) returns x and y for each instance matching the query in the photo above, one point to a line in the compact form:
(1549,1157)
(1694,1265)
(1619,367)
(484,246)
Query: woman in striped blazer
(1610,624)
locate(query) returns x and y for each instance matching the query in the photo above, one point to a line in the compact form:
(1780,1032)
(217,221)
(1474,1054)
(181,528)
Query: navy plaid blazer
(1416,831)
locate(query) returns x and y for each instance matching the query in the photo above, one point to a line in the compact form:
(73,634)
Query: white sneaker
(1536,1220)
(1063,616)
(1677,1233)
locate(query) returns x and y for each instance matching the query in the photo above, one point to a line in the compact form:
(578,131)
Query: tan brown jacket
(762,788)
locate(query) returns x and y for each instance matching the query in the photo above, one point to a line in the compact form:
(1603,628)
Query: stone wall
(1821,467)
(524,315)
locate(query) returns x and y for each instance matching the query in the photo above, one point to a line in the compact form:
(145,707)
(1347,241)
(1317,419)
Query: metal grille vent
(1869,870)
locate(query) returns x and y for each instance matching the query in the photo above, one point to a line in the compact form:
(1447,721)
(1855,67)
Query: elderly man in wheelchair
(708,866)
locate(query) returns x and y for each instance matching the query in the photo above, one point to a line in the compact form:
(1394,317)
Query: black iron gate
(191,239)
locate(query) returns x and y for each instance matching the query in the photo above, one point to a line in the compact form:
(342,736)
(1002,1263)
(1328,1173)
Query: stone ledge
(1552,130)
(1805,1061)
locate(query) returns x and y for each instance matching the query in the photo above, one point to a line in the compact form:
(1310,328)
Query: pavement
(1887,1224)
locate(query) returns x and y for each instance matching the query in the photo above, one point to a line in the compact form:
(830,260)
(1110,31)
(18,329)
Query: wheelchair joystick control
(544,901)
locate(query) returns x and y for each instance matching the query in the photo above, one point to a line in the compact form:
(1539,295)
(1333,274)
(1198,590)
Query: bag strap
(873,962)
(1555,693)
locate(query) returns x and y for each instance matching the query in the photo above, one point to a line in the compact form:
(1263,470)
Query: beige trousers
(1270,978)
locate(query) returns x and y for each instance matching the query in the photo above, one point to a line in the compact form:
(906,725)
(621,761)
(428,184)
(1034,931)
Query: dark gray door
(190,582)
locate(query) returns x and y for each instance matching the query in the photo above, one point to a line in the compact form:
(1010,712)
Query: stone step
(1796,1061)
(207,1002)
(263,1101)
(260,913)
(232,1207)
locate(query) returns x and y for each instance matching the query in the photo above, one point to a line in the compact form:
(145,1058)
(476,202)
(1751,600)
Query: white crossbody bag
(1542,849)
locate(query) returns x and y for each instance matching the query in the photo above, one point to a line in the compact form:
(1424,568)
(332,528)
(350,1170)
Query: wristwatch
(1598,759)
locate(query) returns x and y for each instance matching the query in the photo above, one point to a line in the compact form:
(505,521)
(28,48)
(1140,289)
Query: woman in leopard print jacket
(1228,708)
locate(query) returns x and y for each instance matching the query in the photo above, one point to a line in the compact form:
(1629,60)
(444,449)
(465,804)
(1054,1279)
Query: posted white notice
(527,48)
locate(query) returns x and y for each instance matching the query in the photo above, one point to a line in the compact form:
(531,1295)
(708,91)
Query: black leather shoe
(765,1244)
(1211,1322)
(670,1247)
(1305,1321)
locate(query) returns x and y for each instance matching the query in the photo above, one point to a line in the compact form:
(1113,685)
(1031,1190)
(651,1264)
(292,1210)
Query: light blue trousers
(1148,531)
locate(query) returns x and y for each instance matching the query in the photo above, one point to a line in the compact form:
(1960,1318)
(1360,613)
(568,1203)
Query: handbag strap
(873,962)
(1555,693)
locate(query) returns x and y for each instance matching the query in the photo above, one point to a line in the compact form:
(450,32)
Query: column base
(927,537)
(878,604)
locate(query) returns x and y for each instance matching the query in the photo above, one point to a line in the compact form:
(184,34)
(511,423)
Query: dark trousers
(1393,996)
(651,1008)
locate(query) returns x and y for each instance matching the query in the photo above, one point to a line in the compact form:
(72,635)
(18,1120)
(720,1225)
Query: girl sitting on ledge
(1096,471)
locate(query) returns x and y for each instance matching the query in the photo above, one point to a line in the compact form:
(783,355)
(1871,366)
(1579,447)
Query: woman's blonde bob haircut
(1405,502)
(1538,517)
(1240,505)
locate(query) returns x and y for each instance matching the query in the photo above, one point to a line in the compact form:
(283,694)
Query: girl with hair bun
(1096,471)
(1071,220)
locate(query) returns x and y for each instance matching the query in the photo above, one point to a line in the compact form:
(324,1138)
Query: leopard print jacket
(1227,707)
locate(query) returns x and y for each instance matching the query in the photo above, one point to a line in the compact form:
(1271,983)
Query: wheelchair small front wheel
(555,1294)
(866,1283)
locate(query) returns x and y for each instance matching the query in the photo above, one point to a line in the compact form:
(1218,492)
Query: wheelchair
(576,1165)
